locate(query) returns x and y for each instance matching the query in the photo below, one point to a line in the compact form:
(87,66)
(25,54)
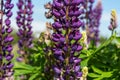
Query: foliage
(35,68)
(101,61)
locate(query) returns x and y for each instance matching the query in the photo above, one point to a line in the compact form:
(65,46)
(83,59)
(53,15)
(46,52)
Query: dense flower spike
(92,16)
(5,40)
(65,38)
(95,22)
(113,22)
(24,20)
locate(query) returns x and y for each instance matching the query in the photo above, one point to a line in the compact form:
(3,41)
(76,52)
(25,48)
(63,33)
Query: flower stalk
(24,20)
(65,37)
(92,20)
(5,40)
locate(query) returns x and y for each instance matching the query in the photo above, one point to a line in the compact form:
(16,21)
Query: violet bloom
(24,20)
(93,16)
(5,39)
(65,39)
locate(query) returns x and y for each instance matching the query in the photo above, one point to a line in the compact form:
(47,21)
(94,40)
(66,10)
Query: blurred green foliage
(103,61)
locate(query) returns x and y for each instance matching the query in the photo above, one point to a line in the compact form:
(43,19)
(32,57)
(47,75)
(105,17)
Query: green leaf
(93,75)
(34,76)
(84,62)
(97,70)
(105,44)
(103,75)
(21,68)
(22,72)
(19,65)
(107,74)
(100,78)
(87,52)
(118,39)
(83,56)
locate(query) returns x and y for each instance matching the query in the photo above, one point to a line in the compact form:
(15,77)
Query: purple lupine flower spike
(95,22)
(6,39)
(24,20)
(66,29)
(92,19)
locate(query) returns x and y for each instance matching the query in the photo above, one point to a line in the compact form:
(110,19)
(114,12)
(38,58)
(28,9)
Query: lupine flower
(65,39)
(92,16)
(87,6)
(84,40)
(85,72)
(6,66)
(24,20)
(95,22)
(113,22)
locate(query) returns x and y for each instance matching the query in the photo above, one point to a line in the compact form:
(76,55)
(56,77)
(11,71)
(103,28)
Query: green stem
(104,44)
(112,32)
(67,41)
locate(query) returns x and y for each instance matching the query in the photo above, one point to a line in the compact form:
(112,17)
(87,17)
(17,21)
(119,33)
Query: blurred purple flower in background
(24,20)
(92,18)
(5,40)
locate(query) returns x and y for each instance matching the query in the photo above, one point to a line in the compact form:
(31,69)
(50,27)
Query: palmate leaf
(100,76)
(104,75)
(21,68)
(86,52)
(20,65)
(85,56)
(22,72)
(38,54)
(93,75)
(107,74)
(34,76)
(97,70)
(84,62)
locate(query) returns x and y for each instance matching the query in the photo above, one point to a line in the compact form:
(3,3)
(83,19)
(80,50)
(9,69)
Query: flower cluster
(85,73)
(65,37)
(5,40)
(92,16)
(113,23)
(95,22)
(87,6)
(24,20)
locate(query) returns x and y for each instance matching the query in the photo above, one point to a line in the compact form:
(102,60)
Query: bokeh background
(39,18)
